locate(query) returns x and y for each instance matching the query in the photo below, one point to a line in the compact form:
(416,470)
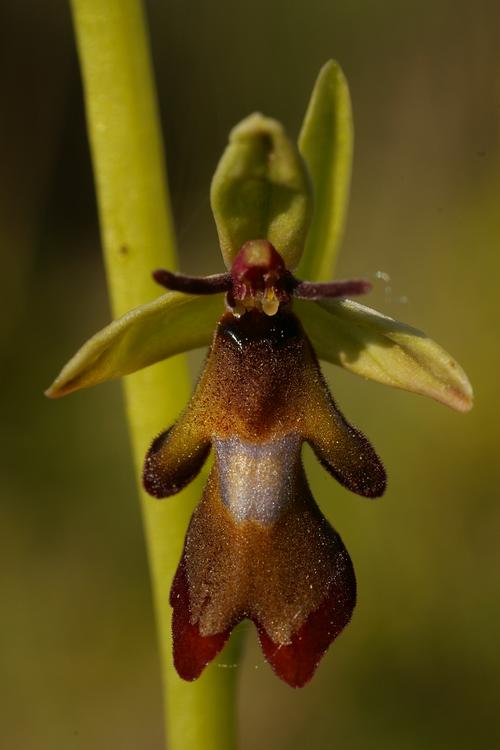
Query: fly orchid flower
(258,546)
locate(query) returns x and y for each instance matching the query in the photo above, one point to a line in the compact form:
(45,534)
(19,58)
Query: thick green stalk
(137,236)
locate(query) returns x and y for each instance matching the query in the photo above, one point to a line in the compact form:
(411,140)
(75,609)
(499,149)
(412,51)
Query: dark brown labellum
(257,546)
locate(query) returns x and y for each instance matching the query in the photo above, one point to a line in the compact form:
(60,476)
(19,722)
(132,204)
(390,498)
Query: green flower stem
(137,236)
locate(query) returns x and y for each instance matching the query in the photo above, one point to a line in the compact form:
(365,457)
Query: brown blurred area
(419,666)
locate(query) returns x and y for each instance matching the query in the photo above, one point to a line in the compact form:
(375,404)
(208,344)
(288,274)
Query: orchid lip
(258,546)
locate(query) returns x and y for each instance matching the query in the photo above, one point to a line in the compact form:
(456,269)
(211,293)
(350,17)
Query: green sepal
(377,347)
(326,143)
(261,190)
(169,325)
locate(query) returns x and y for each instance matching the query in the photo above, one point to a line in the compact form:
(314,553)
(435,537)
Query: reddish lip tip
(192,651)
(297,662)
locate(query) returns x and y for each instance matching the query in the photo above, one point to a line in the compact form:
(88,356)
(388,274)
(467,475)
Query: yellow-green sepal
(169,325)
(261,190)
(326,143)
(377,347)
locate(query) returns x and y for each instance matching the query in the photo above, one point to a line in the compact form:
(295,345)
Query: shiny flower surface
(258,546)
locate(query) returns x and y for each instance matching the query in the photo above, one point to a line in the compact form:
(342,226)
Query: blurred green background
(419,667)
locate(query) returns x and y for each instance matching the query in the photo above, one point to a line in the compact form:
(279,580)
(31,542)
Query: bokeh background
(419,667)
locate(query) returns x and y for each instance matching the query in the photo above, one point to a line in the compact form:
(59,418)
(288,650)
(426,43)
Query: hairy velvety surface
(257,545)
(277,575)
(261,382)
